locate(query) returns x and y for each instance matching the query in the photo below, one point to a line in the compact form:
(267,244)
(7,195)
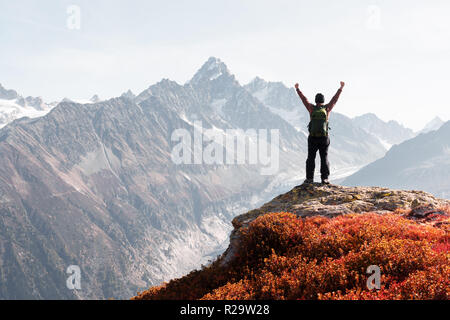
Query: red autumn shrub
(281,256)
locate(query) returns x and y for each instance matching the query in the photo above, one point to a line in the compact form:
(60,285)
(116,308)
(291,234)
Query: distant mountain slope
(14,106)
(420,163)
(389,133)
(433,125)
(94,186)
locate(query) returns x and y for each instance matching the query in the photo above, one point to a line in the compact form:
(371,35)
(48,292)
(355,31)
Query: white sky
(393,55)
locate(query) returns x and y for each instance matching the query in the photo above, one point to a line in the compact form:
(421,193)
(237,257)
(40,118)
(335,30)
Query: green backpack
(318,126)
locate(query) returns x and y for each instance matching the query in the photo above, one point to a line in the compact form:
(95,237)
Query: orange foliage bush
(281,256)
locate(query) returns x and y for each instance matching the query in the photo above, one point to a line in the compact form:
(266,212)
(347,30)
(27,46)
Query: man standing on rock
(318,138)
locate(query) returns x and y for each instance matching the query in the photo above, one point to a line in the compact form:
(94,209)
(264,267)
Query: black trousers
(321,144)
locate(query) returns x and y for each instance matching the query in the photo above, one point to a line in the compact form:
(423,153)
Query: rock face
(332,200)
(344,152)
(389,133)
(13,106)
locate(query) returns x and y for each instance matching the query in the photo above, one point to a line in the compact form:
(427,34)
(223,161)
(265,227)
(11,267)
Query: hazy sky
(393,55)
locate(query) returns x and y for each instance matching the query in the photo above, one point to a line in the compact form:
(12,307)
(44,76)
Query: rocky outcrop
(7,94)
(332,200)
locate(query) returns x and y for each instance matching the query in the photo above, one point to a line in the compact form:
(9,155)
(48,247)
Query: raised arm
(305,101)
(335,99)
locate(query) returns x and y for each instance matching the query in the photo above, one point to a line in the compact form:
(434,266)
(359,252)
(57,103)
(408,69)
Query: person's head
(320,98)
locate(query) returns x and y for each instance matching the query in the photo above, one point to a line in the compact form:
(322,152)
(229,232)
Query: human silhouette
(318,138)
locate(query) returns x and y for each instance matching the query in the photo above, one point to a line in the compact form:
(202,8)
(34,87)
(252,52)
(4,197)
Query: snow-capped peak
(213,63)
(7,94)
(433,125)
(211,70)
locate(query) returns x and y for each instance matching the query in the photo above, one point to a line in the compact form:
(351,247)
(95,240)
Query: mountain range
(14,106)
(389,133)
(433,125)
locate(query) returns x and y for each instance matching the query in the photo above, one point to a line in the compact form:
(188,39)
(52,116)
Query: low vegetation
(282,256)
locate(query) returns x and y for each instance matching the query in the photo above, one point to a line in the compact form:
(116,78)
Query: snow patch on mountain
(293,117)
(10,110)
(385,144)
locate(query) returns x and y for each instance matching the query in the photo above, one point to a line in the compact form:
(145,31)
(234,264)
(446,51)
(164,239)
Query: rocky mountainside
(281,100)
(433,125)
(96,184)
(389,133)
(316,242)
(420,163)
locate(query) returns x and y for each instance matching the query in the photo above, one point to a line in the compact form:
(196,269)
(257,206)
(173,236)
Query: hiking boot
(325,181)
(308,181)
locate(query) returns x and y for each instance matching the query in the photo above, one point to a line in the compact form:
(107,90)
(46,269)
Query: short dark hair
(320,98)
